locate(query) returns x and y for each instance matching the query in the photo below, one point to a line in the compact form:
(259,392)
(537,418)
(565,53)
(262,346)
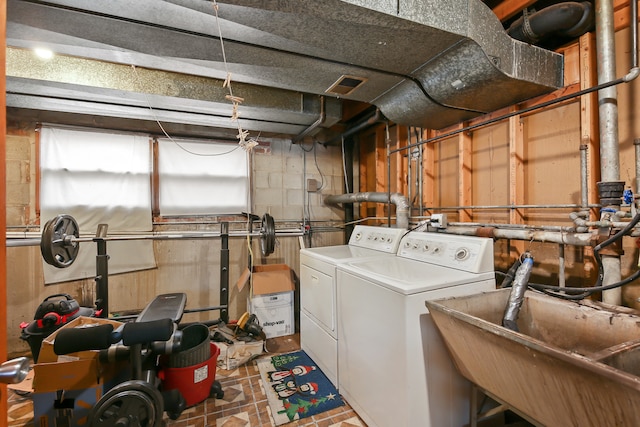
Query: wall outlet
(312,185)
(439,220)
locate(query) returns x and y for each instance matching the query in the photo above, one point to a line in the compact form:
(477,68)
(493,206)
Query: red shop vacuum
(192,369)
(52,313)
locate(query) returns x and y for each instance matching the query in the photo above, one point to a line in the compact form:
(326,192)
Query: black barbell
(60,240)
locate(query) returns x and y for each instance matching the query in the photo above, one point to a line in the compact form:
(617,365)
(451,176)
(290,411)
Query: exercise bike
(140,401)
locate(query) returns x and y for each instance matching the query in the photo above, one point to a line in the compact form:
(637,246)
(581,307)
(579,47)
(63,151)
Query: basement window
(97,178)
(199,178)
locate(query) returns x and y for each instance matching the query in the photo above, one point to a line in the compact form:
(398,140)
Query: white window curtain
(202,178)
(98,178)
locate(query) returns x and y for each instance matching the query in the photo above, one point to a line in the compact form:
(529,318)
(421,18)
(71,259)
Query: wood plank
(428,170)
(589,129)
(571,64)
(516,178)
(363,173)
(621,14)
(464,179)
(589,115)
(401,160)
(381,168)
(509,9)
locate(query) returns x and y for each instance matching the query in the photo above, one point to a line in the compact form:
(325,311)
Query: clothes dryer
(318,315)
(394,368)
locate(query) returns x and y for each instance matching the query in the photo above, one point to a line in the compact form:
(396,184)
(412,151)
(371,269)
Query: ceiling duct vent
(427,63)
(346,85)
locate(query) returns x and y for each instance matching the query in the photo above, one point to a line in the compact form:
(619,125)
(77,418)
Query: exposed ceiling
(429,63)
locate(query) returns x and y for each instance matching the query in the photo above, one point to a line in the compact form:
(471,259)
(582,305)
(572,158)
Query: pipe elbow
(579,218)
(631,75)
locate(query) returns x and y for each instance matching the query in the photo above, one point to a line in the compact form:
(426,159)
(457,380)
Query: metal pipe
(608,121)
(29,239)
(575,239)
(319,121)
(607,97)
(554,206)
(514,226)
(401,202)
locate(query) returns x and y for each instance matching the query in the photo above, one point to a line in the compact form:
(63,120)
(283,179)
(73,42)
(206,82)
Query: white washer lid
(408,276)
(340,253)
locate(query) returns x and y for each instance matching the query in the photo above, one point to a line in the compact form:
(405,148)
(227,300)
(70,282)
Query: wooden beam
(401,160)
(363,174)
(509,9)
(590,136)
(428,170)
(465,196)
(621,14)
(589,115)
(516,176)
(381,168)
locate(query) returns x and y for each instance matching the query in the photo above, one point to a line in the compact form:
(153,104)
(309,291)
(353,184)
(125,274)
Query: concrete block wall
(21,169)
(280,173)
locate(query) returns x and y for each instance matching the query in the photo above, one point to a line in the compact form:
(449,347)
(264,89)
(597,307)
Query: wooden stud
(401,160)
(428,170)
(589,133)
(516,176)
(621,14)
(509,9)
(381,168)
(465,197)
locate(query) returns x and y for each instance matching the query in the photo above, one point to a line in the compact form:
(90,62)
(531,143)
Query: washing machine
(394,368)
(318,311)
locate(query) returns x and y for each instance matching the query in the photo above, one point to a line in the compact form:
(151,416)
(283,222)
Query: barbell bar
(60,238)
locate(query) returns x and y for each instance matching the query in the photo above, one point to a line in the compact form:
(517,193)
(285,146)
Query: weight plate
(56,244)
(267,235)
(131,403)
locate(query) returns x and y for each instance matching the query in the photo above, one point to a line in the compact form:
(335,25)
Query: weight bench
(154,331)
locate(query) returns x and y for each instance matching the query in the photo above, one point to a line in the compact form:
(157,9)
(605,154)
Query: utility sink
(571,364)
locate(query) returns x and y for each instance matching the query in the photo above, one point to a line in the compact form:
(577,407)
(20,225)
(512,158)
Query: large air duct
(428,63)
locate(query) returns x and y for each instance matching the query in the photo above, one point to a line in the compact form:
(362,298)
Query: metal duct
(429,63)
(401,202)
(569,19)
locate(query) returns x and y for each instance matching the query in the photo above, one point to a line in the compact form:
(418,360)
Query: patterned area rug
(296,388)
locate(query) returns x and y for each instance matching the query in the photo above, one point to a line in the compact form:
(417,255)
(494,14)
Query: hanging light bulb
(43,53)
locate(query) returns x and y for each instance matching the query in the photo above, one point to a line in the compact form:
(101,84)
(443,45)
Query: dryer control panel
(467,253)
(379,238)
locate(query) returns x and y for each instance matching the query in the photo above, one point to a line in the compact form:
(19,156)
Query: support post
(102,278)
(224,272)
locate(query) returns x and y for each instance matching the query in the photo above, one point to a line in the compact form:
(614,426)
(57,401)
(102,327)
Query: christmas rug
(296,388)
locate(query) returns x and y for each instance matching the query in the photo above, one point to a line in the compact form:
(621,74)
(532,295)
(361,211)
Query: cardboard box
(47,355)
(65,392)
(67,387)
(272,299)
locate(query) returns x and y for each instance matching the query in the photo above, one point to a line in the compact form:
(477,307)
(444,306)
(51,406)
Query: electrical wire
(157,120)
(344,169)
